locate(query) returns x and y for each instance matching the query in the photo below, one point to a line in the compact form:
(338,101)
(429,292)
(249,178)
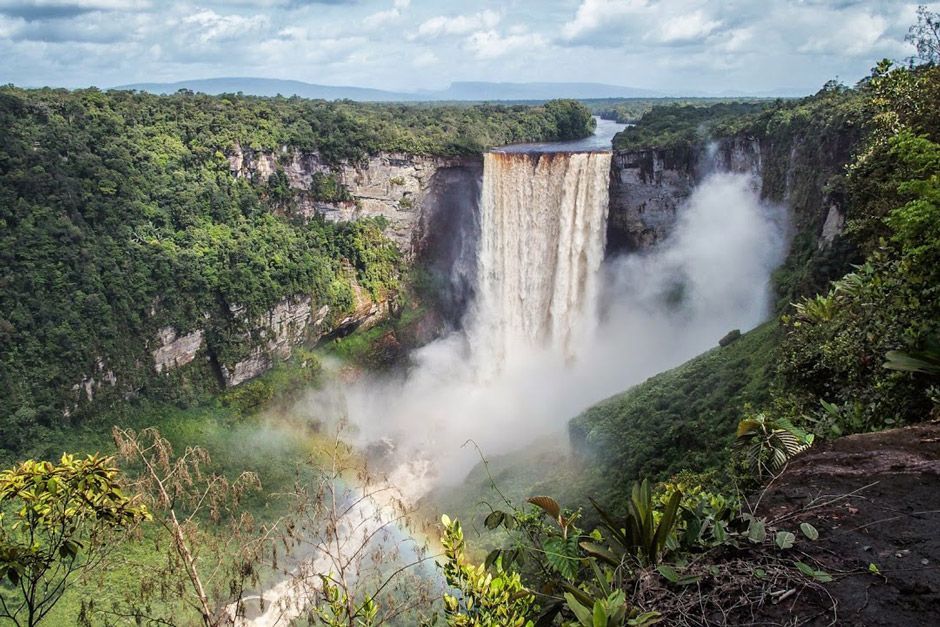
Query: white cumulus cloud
(458,24)
(490,44)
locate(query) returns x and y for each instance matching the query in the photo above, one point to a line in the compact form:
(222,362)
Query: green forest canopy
(119,215)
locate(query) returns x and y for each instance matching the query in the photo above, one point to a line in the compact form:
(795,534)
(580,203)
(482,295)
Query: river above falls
(599,141)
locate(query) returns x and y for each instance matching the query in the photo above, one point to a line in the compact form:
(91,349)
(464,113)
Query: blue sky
(674,45)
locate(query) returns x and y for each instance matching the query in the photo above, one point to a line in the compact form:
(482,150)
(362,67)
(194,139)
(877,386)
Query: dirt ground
(875,499)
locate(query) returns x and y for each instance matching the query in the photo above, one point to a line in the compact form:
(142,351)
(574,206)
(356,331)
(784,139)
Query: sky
(679,46)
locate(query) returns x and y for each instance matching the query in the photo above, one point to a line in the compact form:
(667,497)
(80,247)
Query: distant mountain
(272,87)
(538,91)
(473,91)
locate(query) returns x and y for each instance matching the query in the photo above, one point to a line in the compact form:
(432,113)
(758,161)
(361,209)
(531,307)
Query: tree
(204,568)
(572,120)
(925,35)
(355,562)
(55,522)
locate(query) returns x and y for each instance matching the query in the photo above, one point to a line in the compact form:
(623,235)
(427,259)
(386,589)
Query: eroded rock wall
(647,188)
(402,188)
(431,206)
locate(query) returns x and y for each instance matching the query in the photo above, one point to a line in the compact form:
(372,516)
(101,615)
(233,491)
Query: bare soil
(875,499)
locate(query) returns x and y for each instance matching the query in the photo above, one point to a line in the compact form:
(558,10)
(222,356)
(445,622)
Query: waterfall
(543,227)
(543,223)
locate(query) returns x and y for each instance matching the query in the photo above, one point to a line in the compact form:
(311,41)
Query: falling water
(512,374)
(543,228)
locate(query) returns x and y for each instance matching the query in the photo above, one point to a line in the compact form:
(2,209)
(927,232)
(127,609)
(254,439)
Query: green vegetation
(106,228)
(120,216)
(677,552)
(630,110)
(326,188)
(570,118)
(678,126)
(487,599)
(238,436)
(833,358)
(56,521)
(681,419)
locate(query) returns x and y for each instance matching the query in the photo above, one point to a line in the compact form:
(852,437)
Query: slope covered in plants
(119,216)
(823,366)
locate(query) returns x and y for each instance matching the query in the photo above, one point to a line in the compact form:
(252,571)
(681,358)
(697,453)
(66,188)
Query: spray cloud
(653,311)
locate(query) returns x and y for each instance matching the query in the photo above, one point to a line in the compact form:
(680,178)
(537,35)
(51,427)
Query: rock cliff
(430,205)
(409,191)
(647,187)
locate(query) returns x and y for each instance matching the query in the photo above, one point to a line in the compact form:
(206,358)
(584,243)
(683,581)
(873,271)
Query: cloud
(631,23)
(736,40)
(596,20)
(52,9)
(207,26)
(687,27)
(383,18)
(856,35)
(666,45)
(71,30)
(458,24)
(490,44)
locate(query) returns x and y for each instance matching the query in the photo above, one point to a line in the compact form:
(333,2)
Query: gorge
(553,326)
(373,315)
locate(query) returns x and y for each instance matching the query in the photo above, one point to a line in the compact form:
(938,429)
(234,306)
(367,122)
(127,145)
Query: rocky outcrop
(87,388)
(401,188)
(174,351)
(294,321)
(646,189)
(832,227)
(274,336)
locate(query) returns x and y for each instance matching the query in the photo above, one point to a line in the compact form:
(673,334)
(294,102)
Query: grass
(267,440)
(681,419)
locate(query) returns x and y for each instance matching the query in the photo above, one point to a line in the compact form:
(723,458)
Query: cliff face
(430,204)
(407,190)
(648,186)
(431,207)
(646,189)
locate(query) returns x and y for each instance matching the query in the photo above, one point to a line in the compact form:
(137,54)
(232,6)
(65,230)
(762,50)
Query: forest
(177,503)
(121,215)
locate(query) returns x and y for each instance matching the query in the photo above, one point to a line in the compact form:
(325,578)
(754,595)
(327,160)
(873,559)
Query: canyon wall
(408,191)
(431,208)
(647,187)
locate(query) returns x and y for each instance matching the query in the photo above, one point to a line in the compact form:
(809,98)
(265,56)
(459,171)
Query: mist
(653,312)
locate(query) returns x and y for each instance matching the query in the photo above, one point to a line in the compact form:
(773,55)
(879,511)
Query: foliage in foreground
(833,358)
(487,599)
(57,521)
(679,555)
